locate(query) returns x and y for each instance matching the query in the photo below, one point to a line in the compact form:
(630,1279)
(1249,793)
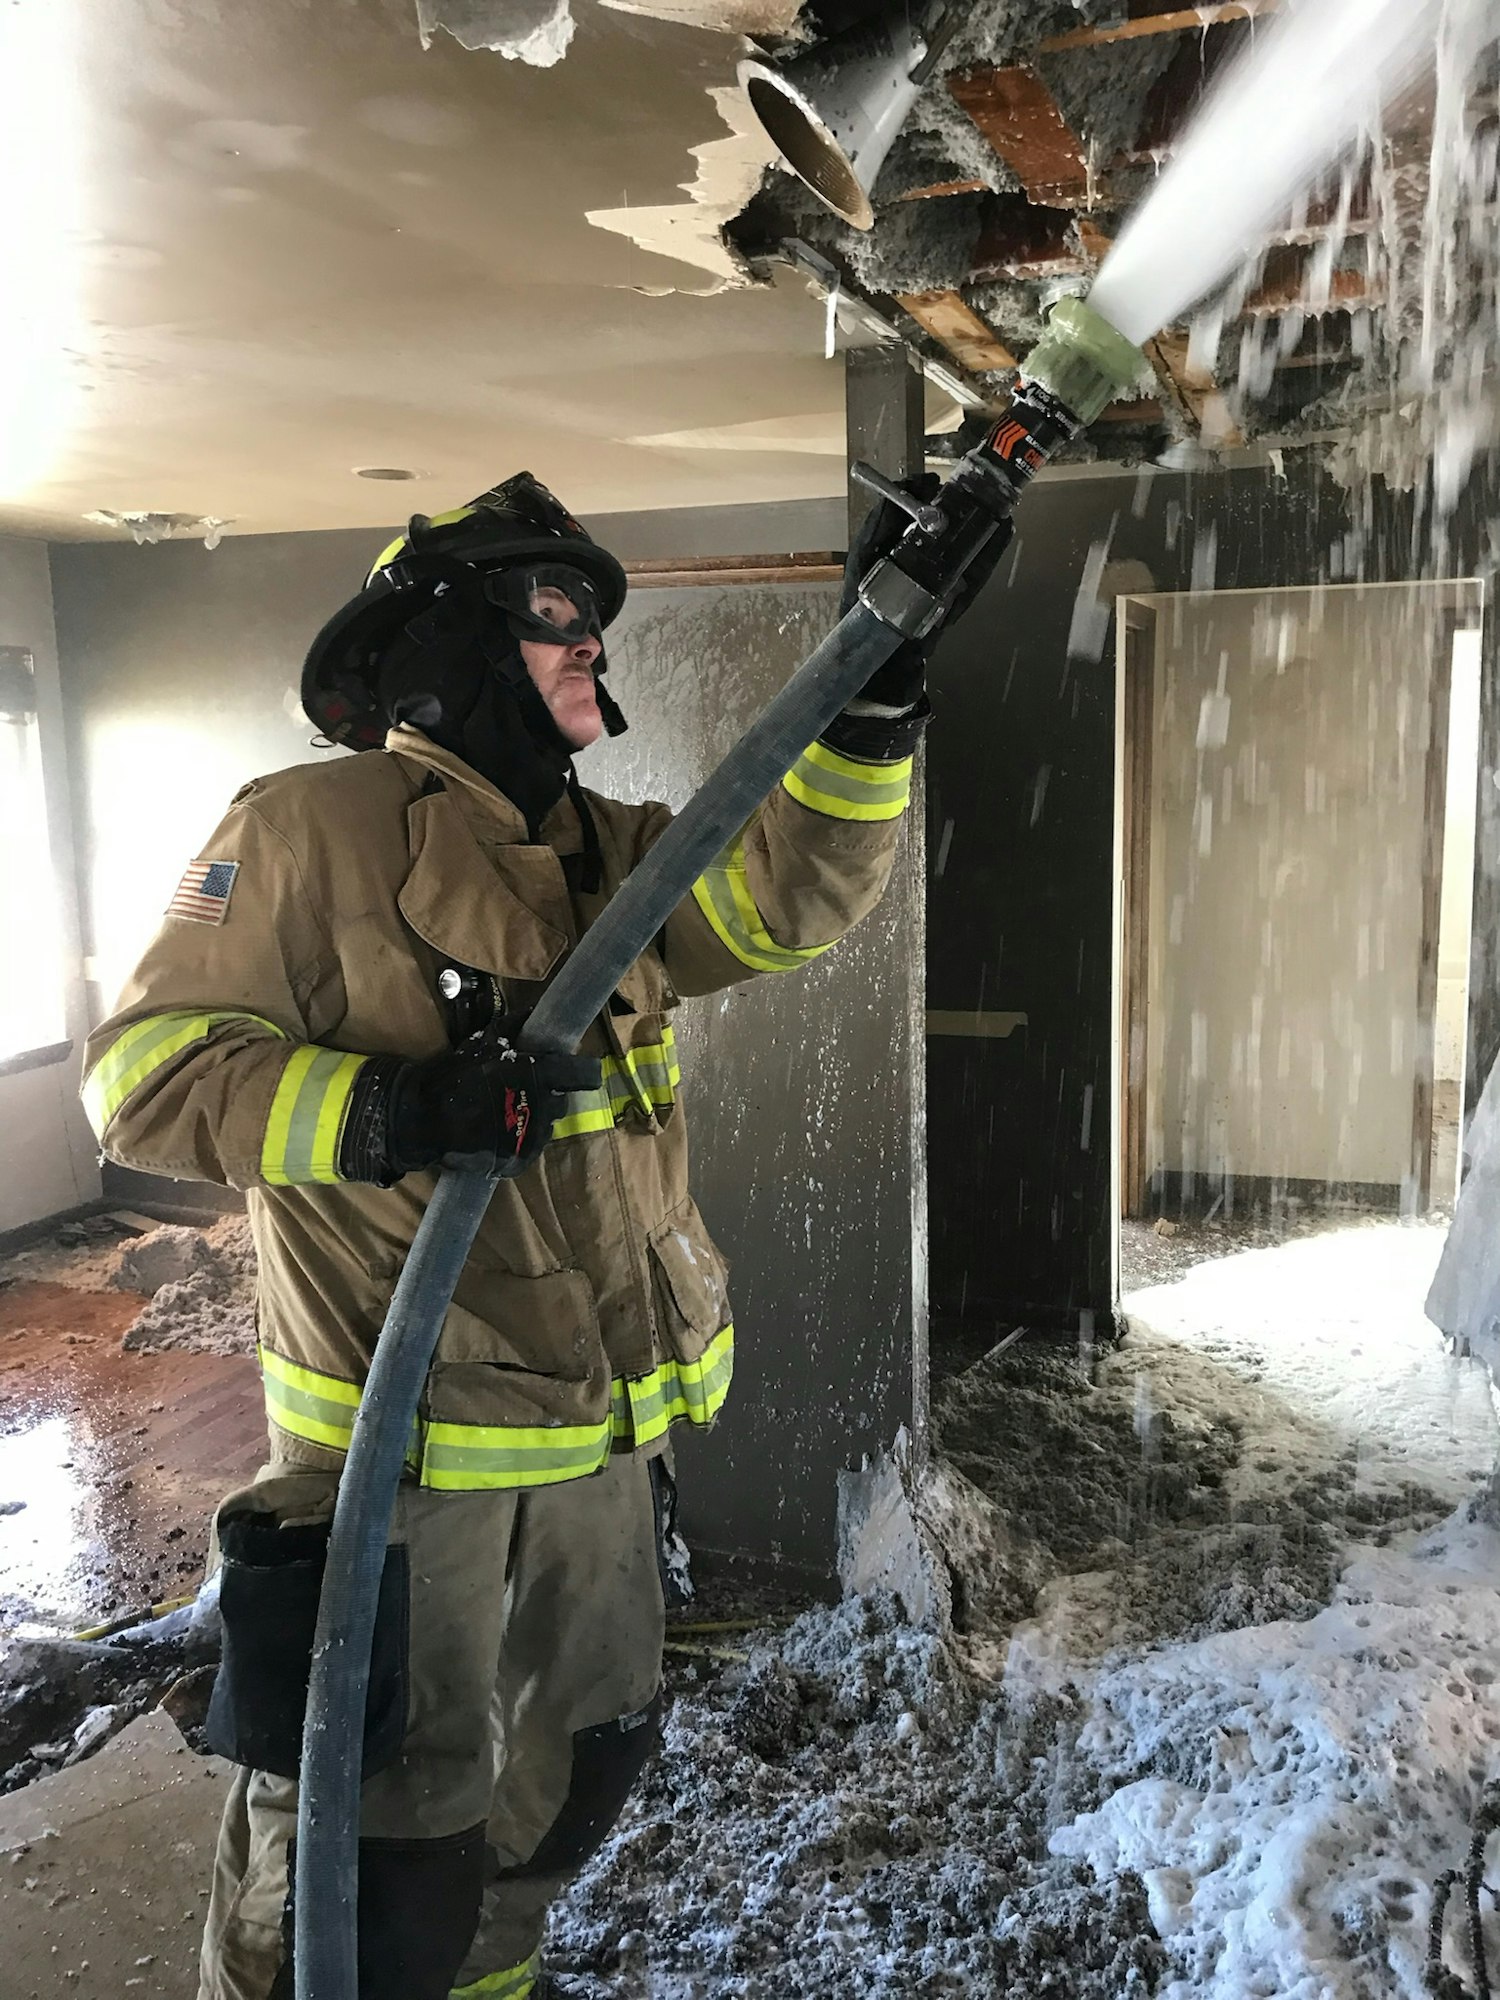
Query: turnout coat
(309,936)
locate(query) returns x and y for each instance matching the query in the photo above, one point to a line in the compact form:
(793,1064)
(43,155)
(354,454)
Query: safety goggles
(551,603)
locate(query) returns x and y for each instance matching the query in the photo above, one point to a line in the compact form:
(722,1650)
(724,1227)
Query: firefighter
(325,1019)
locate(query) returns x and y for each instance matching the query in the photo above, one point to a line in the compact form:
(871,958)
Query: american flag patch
(203,892)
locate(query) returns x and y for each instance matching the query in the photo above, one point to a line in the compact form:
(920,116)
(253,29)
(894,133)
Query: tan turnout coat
(592,1312)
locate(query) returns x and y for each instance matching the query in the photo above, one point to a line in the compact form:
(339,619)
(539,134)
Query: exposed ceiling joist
(956,325)
(1193,389)
(1177,20)
(1018,115)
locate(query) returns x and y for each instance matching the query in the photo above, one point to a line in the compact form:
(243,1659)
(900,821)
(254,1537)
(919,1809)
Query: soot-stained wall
(179,671)
(804,1091)
(1021,778)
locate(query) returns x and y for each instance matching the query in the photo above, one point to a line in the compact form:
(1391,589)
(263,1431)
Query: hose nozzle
(1083,361)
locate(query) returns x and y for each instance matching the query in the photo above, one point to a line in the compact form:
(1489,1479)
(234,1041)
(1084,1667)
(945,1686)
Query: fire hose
(1081,364)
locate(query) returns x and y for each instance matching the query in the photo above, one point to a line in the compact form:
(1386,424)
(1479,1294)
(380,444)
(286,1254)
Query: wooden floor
(111,1463)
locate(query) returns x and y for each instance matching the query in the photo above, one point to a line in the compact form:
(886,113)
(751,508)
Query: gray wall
(804,1092)
(179,667)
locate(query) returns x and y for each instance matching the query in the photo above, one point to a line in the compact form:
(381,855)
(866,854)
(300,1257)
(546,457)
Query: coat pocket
(270,1581)
(688,1280)
(547,1325)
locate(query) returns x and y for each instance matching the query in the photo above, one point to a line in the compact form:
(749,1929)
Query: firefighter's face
(564,674)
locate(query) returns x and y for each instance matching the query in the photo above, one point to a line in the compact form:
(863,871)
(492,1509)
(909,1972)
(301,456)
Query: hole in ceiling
(385,472)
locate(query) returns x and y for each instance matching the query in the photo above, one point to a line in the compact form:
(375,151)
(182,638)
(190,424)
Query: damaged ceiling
(252,250)
(267,262)
(1043,127)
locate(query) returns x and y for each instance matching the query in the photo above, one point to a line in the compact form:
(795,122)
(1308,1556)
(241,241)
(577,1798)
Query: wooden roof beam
(1174,21)
(1193,390)
(943,188)
(1021,240)
(1016,112)
(970,340)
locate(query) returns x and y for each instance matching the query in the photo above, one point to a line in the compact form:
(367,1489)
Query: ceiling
(254,247)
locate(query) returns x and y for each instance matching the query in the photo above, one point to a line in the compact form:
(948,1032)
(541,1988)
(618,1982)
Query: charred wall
(1021,775)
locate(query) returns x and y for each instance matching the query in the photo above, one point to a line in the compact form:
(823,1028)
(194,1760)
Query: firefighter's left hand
(484,1107)
(898,684)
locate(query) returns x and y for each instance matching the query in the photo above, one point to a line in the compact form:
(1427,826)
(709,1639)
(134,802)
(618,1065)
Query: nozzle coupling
(1083,361)
(1080,364)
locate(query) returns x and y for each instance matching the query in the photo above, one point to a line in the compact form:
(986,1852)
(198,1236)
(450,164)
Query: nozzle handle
(928,516)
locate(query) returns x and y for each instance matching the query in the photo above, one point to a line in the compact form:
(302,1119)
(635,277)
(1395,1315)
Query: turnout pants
(531,1625)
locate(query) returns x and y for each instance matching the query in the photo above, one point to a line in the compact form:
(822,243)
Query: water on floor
(110,1462)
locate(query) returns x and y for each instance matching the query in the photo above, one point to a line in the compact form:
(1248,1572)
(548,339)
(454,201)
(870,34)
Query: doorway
(1296,789)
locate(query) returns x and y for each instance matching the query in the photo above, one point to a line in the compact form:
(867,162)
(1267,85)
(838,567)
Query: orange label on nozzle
(1012,441)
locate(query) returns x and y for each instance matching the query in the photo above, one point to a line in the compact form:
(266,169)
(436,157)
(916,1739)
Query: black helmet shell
(516,522)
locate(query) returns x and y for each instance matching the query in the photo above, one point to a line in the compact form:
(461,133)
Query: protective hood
(461,556)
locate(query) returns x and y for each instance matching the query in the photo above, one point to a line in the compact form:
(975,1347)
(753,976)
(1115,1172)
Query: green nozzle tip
(1083,360)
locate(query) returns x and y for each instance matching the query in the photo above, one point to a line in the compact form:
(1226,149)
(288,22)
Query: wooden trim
(1140,726)
(685,572)
(1434,814)
(1181,21)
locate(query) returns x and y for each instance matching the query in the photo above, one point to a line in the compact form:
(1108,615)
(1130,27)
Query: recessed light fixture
(385,472)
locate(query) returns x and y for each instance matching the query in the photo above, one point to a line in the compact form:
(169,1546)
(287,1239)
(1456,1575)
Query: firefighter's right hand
(485,1107)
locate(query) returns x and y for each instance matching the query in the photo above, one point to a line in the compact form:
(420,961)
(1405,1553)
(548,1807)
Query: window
(31,988)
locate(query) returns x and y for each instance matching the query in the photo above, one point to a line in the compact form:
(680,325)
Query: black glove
(897,688)
(485,1107)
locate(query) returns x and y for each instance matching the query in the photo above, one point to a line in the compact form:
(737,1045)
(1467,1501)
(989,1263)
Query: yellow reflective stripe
(140,1050)
(307,1115)
(401,544)
(466,1458)
(842,787)
(590,1115)
(310,1405)
(647,1076)
(722,893)
(512,1984)
(691,1389)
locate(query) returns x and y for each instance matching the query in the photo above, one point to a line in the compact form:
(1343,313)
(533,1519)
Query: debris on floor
(129,1833)
(1209,1700)
(61,1700)
(201,1286)
(1226,1755)
(114,1452)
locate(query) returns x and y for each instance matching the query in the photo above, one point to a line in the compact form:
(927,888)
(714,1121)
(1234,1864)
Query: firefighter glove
(485,1107)
(898,685)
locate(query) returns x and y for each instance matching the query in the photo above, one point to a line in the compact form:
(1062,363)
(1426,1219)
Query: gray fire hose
(1073,372)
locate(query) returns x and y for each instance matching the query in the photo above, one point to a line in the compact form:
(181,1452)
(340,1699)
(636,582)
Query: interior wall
(180,666)
(1287,838)
(804,1092)
(47,1153)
